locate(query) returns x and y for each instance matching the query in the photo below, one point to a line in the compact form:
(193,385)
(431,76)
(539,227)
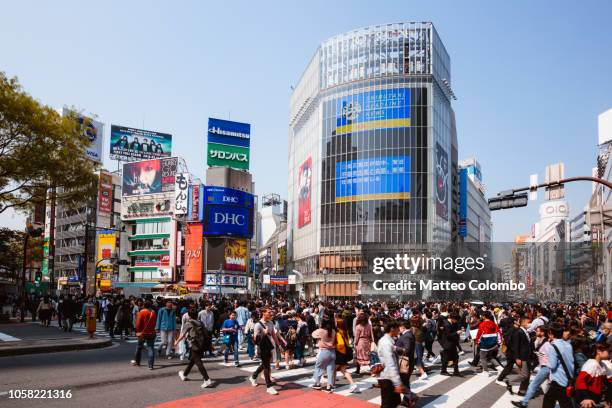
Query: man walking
(390,382)
(242,316)
(265,337)
(560,362)
(522,348)
(145,331)
(166,326)
(199,340)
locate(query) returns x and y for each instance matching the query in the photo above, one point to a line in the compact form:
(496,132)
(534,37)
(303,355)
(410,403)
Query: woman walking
(326,359)
(344,354)
(363,341)
(45,311)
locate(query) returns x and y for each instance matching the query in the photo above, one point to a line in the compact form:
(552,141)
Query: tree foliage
(40,149)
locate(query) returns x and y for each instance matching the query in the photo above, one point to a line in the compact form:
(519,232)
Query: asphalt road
(105,378)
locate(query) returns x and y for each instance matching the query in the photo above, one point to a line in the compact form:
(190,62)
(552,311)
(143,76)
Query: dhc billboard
(228,220)
(227,196)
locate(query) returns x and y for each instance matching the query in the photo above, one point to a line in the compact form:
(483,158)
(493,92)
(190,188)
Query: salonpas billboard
(228,156)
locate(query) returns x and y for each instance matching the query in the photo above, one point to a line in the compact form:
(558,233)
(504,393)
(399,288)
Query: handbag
(226,339)
(404,365)
(570,389)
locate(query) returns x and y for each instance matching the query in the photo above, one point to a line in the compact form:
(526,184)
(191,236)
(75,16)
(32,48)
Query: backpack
(198,337)
(263,342)
(291,336)
(430,334)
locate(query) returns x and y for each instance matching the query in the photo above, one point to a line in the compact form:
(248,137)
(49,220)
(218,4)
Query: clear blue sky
(530,77)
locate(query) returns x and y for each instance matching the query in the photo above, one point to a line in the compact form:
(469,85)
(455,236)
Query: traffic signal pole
(510,198)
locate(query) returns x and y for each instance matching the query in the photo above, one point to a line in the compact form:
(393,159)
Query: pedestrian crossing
(464,392)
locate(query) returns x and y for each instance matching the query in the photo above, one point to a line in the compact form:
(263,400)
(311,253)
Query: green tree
(11,250)
(40,149)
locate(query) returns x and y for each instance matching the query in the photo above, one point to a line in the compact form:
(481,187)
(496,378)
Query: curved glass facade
(370,153)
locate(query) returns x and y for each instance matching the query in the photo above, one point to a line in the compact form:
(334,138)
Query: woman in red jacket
(593,379)
(488,339)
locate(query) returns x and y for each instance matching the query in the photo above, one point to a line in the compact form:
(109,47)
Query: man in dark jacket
(312,326)
(110,316)
(448,337)
(522,350)
(405,347)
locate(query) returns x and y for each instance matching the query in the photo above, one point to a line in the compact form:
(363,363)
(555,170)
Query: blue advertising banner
(379,178)
(229,133)
(227,196)
(381,109)
(227,220)
(463,195)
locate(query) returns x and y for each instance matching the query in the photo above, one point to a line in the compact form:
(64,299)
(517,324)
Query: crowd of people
(558,350)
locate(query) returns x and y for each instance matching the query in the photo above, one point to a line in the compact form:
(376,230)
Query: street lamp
(325,272)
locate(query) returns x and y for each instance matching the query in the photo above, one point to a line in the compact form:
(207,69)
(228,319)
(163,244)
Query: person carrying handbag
(344,354)
(560,359)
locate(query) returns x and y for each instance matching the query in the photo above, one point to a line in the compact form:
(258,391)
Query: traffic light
(508,200)
(38,276)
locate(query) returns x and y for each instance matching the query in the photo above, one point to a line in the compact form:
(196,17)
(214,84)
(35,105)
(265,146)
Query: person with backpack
(288,328)
(266,338)
(199,339)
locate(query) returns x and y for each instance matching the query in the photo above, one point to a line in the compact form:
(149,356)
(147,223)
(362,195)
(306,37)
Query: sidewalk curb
(38,346)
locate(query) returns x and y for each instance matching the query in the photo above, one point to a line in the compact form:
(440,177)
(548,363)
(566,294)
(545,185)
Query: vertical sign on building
(181,187)
(105,193)
(463,204)
(193,253)
(195,203)
(304,193)
(442,182)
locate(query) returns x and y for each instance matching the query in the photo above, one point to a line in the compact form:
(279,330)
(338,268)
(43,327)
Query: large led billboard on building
(149,176)
(379,178)
(441,182)
(227,196)
(91,130)
(380,109)
(236,157)
(235,257)
(304,193)
(227,220)
(129,144)
(228,132)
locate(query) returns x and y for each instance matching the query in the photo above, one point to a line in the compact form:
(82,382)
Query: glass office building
(372,148)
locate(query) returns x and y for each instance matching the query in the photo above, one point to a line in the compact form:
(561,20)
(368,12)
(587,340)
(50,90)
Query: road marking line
(6,337)
(462,392)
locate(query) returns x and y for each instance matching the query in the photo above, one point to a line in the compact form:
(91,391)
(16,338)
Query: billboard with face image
(149,177)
